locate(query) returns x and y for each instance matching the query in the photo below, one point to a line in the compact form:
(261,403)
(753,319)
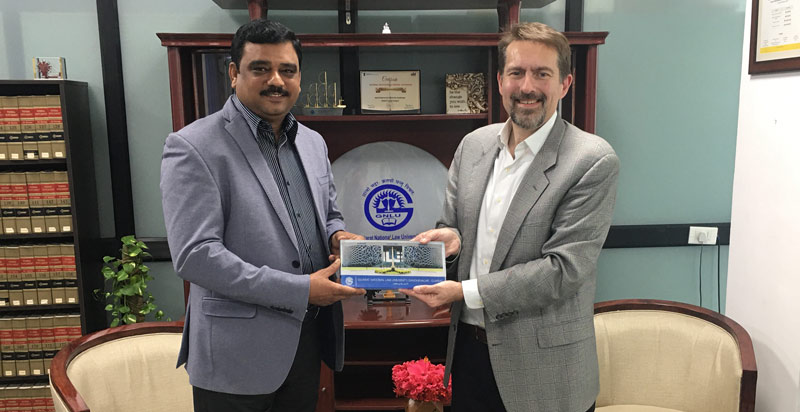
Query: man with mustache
(527,208)
(252,223)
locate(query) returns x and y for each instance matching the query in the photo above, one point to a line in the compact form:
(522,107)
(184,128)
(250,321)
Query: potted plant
(126,277)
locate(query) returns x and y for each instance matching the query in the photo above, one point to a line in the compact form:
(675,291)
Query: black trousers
(298,393)
(474,386)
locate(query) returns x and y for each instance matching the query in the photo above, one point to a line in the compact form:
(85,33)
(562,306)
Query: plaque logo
(388,207)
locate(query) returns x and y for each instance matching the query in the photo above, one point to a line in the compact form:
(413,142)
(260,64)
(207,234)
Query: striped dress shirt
(290,177)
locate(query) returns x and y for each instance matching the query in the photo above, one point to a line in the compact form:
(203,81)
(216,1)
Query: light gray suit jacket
(539,293)
(230,236)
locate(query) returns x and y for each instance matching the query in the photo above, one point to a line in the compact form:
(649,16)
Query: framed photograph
(393,91)
(775,36)
(49,68)
(387,264)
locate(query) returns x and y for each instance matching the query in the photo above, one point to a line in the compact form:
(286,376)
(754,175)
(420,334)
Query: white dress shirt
(506,177)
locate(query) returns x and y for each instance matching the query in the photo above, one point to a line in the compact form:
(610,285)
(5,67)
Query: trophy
(322,98)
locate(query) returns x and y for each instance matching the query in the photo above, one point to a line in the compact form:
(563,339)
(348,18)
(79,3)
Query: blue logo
(388,207)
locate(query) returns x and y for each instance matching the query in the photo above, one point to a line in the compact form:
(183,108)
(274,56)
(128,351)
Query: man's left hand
(440,294)
(337,237)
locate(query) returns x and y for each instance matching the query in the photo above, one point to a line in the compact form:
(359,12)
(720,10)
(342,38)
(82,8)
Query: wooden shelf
(33,163)
(383,118)
(59,236)
(384,362)
(24,379)
(40,308)
(370,404)
(358,315)
(383,4)
(210,41)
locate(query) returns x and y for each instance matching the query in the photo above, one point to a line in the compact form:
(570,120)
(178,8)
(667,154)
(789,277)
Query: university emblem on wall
(388,206)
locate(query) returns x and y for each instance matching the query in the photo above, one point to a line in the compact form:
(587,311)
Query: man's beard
(528,119)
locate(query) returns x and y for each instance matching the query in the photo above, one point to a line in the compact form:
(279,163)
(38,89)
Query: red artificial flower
(421,380)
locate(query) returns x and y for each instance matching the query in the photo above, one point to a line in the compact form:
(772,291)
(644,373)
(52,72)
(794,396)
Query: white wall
(763,281)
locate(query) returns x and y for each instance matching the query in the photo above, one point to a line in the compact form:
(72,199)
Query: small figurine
(386,29)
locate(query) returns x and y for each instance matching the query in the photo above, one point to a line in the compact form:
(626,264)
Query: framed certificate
(381,264)
(774,36)
(393,91)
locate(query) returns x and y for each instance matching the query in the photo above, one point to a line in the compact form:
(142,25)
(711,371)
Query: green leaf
(128,240)
(115,322)
(122,276)
(107,259)
(124,309)
(109,307)
(129,267)
(159,315)
(129,319)
(135,251)
(128,291)
(108,273)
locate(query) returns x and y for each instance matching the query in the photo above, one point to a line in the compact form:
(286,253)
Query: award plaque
(381,264)
(466,93)
(395,91)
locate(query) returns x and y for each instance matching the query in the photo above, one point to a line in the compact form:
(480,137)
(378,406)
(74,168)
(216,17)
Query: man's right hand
(323,291)
(452,243)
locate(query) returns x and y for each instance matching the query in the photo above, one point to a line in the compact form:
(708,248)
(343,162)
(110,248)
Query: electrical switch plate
(700,235)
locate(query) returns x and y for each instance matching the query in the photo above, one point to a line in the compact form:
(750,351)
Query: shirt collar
(289,125)
(534,142)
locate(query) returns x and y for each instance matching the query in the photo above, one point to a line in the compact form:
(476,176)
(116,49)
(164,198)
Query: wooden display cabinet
(380,336)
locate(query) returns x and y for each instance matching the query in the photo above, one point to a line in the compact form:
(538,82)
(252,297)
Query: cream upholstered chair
(128,368)
(662,356)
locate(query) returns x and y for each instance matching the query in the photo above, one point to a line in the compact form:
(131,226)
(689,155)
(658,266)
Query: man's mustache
(530,96)
(274,89)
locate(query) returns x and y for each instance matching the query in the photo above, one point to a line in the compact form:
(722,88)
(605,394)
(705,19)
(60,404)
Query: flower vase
(421,406)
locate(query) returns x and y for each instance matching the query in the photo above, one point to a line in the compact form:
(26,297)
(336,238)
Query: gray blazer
(539,294)
(230,236)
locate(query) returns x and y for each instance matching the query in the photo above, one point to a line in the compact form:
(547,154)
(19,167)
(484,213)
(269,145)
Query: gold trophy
(322,98)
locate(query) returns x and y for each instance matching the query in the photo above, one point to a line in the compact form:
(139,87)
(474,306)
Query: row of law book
(31,128)
(35,202)
(28,344)
(38,275)
(26,398)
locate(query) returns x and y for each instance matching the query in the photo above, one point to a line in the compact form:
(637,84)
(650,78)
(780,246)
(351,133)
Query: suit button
(295,264)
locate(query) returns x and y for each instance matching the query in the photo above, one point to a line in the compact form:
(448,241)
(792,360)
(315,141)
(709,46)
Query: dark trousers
(298,393)
(474,387)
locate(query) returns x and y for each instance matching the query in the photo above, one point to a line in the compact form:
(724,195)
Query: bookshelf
(49,259)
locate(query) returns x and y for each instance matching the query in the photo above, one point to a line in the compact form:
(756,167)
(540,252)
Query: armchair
(128,368)
(662,356)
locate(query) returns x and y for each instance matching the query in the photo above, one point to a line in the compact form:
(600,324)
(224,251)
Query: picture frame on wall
(774,36)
